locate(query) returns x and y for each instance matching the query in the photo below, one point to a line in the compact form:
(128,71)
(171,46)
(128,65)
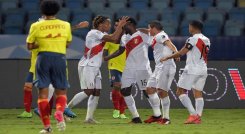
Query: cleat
(198,121)
(25,115)
(152,119)
(36,111)
(69,113)
(123,116)
(46,131)
(136,120)
(60,121)
(116,114)
(192,119)
(164,121)
(91,121)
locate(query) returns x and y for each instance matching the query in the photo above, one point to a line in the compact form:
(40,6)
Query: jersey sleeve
(125,38)
(69,38)
(190,43)
(99,35)
(32,34)
(162,38)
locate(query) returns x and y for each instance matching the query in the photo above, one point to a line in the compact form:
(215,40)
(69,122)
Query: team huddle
(49,67)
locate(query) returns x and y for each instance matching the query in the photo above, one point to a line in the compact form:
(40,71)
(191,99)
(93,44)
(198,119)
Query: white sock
(50,92)
(131,106)
(79,97)
(155,104)
(92,105)
(165,107)
(199,106)
(185,100)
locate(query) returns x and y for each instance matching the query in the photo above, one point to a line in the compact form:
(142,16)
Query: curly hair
(98,20)
(50,7)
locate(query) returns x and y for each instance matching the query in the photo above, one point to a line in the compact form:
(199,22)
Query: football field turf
(215,121)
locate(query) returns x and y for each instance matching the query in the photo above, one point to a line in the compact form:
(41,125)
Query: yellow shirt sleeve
(69,38)
(107,45)
(31,38)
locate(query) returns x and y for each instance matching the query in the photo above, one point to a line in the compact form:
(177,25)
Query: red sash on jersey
(154,42)
(86,52)
(203,49)
(95,50)
(134,42)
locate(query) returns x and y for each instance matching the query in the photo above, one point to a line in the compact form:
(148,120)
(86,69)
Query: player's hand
(123,21)
(106,58)
(83,24)
(177,59)
(163,59)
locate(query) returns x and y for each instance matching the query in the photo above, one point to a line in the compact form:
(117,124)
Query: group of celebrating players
(126,49)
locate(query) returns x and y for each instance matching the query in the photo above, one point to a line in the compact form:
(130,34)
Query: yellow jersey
(50,35)
(117,63)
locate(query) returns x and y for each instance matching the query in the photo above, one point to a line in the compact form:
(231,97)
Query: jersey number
(144,82)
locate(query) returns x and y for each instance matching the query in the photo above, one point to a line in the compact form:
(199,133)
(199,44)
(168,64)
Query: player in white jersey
(90,63)
(137,69)
(195,72)
(163,75)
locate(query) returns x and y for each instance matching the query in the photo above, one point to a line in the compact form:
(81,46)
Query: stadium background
(223,21)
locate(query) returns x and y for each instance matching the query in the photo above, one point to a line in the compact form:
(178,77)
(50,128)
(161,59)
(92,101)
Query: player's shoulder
(161,35)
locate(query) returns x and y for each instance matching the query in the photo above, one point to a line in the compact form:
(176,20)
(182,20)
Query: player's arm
(115,37)
(83,24)
(31,38)
(170,44)
(31,46)
(143,30)
(115,54)
(180,53)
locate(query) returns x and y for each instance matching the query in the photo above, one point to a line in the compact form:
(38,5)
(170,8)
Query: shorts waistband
(51,54)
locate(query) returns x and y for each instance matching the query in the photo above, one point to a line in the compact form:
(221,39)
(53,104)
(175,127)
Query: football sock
(123,105)
(165,107)
(79,97)
(92,105)
(155,104)
(131,106)
(27,98)
(185,100)
(199,106)
(43,107)
(116,99)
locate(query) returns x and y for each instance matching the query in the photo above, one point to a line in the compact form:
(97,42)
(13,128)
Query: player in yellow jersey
(116,67)
(51,37)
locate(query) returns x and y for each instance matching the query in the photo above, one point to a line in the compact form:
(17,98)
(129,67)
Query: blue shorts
(51,69)
(116,76)
(29,78)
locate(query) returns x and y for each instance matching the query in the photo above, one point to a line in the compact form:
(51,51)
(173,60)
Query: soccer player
(90,63)
(137,69)
(160,81)
(116,67)
(51,36)
(195,72)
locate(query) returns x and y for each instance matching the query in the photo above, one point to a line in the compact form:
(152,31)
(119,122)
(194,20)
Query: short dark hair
(156,24)
(197,24)
(132,21)
(50,7)
(98,20)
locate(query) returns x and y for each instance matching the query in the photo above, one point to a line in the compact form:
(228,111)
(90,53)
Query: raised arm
(115,37)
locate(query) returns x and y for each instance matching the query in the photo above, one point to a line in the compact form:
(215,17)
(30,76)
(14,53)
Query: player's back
(137,51)
(51,35)
(198,54)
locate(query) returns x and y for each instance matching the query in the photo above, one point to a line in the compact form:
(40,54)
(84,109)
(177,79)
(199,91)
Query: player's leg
(129,78)
(43,76)
(27,97)
(165,79)
(197,91)
(95,83)
(153,99)
(123,107)
(184,84)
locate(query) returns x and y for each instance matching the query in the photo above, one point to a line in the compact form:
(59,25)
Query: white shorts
(132,76)
(90,77)
(162,78)
(191,81)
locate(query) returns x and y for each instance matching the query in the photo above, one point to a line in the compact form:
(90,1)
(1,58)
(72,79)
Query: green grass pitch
(215,121)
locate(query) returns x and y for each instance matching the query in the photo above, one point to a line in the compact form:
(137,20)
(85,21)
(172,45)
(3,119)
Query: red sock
(123,105)
(43,107)
(116,99)
(51,101)
(27,98)
(61,103)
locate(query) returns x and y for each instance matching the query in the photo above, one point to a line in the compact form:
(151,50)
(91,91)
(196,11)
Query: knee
(88,91)
(180,91)
(162,93)
(126,91)
(96,92)
(28,87)
(197,94)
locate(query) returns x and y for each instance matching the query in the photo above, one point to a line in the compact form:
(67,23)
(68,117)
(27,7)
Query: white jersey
(196,62)
(136,47)
(160,50)
(93,54)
